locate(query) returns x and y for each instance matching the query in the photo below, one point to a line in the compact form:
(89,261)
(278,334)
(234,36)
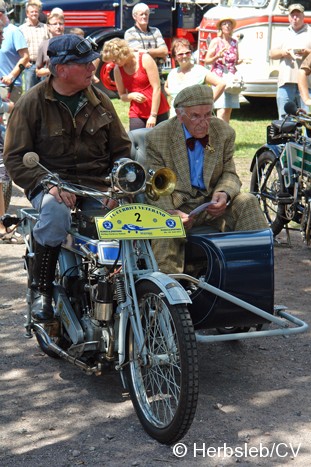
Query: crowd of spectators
(138,58)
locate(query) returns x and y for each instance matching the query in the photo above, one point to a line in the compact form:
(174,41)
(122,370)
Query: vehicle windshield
(248,3)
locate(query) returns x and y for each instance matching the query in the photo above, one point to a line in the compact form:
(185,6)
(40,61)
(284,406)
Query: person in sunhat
(75,130)
(292,48)
(223,57)
(199,149)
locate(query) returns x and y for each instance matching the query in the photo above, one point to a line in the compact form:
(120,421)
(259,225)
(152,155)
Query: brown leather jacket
(81,149)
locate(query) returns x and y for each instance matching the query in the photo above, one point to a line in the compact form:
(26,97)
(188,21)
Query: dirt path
(254,395)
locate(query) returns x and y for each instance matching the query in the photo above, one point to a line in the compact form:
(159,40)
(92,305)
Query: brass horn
(162,183)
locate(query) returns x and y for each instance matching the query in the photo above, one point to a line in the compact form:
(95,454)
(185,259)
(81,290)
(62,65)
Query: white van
(260,25)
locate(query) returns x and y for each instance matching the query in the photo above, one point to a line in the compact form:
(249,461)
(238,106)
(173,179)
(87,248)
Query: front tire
(263,172)
(164,391)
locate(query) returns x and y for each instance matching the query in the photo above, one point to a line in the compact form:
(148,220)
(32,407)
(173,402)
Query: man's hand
(220,198)
(63,197)
(186,220)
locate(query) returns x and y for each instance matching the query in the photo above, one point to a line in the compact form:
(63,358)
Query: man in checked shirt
(34,33)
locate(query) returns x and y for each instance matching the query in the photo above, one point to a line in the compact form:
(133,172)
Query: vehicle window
(250,3)
(305,3)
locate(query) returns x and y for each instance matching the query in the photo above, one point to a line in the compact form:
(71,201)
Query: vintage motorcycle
(112,305)
(114,308)
(281,172)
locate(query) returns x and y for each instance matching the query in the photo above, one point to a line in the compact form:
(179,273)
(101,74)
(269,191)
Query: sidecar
(230,279)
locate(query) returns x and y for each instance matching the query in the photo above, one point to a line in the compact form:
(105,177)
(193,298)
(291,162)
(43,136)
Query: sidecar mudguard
(240,263)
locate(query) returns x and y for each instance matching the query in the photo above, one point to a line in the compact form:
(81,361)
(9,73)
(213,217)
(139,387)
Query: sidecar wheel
(164,386)
(273,186)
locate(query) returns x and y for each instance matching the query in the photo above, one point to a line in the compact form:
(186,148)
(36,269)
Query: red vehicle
(105,19)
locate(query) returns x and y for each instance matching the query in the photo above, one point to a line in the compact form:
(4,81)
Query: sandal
(12,237)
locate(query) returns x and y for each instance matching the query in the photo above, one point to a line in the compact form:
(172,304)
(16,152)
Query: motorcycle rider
(75,130)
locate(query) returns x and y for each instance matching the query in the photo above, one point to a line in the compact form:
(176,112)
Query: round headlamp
(129,176)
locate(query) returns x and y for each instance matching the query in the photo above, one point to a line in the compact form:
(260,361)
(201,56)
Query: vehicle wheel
(106,83)
(7,193)
(264,174)
(164,390)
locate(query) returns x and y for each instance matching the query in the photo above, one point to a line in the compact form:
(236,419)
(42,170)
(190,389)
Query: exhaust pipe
(62,354)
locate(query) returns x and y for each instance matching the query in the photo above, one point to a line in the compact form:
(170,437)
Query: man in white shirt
(295,45)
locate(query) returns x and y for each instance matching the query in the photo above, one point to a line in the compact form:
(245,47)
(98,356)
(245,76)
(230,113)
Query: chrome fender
(173,291)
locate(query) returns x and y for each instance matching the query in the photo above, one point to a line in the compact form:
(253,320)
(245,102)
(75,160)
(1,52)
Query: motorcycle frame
(128,310)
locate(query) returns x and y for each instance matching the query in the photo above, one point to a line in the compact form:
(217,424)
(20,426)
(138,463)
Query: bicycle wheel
(7,193)
(164,391)
(267,183)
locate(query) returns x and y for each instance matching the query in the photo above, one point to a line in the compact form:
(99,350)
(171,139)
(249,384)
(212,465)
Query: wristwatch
(228,198)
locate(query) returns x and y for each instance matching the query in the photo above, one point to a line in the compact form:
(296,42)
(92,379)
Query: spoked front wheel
(163,381)
(268,185)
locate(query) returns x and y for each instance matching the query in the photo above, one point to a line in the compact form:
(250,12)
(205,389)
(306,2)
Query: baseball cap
(198,94)
(296,6)
(2,6)
(71,48)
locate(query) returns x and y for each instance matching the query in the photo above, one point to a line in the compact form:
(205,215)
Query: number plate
(140,221)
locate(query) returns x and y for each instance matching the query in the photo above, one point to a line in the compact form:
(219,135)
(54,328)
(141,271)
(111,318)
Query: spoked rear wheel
(7,193)
(164,386)
(267,184)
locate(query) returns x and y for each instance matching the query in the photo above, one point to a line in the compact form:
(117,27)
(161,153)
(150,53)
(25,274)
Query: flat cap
(71,48)
(3,6)
(296,6)
(198,94)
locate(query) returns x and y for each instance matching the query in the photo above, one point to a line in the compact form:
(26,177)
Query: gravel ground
(254,395)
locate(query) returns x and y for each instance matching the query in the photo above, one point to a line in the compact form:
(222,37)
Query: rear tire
(275,213)
(164,391)
(7,193)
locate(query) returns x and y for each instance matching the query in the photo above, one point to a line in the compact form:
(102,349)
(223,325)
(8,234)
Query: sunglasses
(83,48)
(184,54)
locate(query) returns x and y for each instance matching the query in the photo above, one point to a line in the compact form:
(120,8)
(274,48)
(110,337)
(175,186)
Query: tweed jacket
(166,147)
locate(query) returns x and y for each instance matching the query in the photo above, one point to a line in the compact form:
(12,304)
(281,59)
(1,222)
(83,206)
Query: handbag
(234,83)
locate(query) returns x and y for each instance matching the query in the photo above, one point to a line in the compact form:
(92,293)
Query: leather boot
(43,274)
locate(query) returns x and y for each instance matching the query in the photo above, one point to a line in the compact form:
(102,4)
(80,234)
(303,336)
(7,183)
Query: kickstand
(288,242)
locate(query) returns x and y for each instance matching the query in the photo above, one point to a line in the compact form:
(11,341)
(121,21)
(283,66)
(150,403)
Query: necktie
(191,142)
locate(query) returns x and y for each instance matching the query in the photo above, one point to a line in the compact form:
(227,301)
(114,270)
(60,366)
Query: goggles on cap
(83,48)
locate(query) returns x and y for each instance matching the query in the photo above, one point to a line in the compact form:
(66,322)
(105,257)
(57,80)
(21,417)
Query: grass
(249,122)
